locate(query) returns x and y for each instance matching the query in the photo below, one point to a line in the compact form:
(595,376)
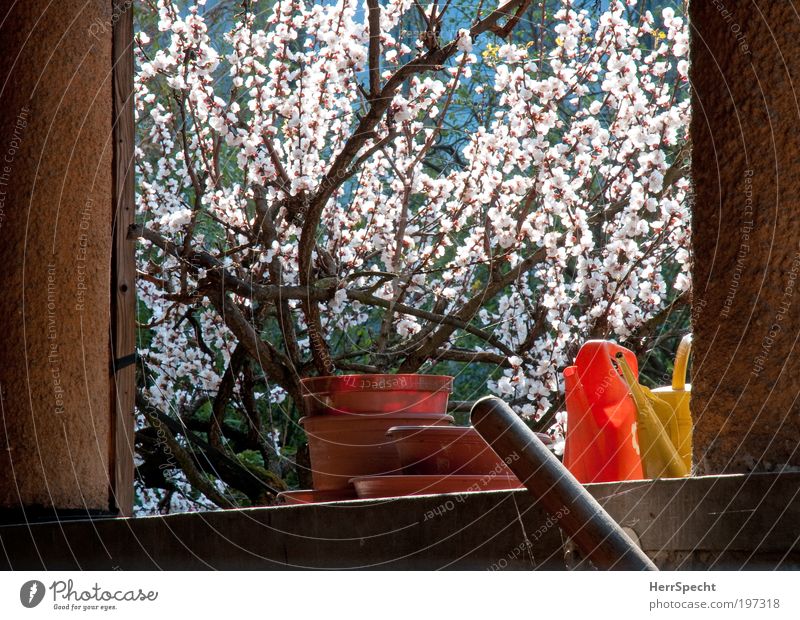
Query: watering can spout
(678,396)
(681,363)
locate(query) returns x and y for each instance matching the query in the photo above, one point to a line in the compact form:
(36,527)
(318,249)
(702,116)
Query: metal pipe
(591,528)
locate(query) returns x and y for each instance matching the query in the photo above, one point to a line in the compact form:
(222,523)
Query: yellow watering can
(657,430)
(677,397)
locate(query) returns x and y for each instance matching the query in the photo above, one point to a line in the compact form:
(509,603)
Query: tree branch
(337,173)
(253,481)
(224,393)
(481,357)
(441,319)
(193,475)
(274,363)
(322,291)
(374,47)
(473,305)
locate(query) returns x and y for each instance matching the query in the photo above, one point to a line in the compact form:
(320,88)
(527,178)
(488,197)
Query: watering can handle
(681,363)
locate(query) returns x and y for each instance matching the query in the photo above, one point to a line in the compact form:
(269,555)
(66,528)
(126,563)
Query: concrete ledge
(727,522)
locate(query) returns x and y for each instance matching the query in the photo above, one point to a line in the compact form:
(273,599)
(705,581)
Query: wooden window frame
(123,266)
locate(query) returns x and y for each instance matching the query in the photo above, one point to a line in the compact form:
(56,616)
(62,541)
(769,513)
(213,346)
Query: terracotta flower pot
(370,394)
(373,487)
(346,446)
(310,496)
(429,450)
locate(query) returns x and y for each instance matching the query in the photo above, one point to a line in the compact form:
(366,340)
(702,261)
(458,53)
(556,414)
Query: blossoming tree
(379,186)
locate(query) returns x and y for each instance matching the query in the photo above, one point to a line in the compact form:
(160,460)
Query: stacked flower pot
(372,436)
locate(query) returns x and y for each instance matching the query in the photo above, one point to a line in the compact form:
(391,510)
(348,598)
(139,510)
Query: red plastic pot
(346,446)
(438,450)
(370,394)
(374,487)
(310,496)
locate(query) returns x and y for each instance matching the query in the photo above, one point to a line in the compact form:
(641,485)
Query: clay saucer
(310,496)
(429,450)
(372,487)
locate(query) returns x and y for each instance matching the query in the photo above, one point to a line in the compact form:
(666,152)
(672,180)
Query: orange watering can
(601,439)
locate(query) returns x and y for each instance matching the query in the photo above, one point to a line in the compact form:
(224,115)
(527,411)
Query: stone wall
(55,253)
(746,234)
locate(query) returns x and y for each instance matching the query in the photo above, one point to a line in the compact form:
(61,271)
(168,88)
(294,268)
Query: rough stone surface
(55,252)
(746,235)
